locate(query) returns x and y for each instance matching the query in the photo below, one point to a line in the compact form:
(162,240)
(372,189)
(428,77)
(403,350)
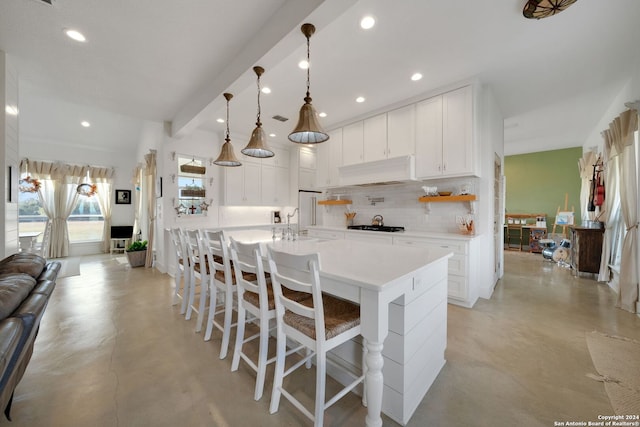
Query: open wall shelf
(462,198)
(335,202)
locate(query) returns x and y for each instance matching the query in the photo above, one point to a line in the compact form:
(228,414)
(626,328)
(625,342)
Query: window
(85,222)
(191,185)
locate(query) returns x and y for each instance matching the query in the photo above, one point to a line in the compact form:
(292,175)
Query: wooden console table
(586,249)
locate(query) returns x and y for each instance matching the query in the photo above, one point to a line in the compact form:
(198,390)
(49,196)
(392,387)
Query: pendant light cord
(258,118)
(308,68)
(227,137)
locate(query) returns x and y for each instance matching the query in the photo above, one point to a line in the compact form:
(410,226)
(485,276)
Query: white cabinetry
(307,168)
(401,131)
(275,186)
(462,266)
(329,159)
(352,143)
(241,184)
(444,135)
(280,158)
(375,135)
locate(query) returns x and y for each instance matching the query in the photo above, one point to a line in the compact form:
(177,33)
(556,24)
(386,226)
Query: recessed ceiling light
(272,135)
(367,22)
(11,110)
(85,123)
(266,90)
(360,99)
(303,64)
(220,120)
(323,114)
(75,35)
(415,77)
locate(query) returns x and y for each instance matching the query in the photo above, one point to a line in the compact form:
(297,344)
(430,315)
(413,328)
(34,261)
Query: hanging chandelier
(86,188)
(257,146)
(308,129)
(226,157)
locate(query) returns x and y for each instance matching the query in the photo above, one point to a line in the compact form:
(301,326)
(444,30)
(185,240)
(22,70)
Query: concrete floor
(113,351)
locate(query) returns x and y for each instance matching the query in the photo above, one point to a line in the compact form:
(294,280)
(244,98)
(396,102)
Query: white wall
(8,155)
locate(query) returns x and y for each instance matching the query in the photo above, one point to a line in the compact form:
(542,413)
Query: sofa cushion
(50,271)
(27,263)
(10,331)
(14,288)
(44,287)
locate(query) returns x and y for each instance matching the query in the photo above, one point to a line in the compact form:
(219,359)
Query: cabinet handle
(444,167)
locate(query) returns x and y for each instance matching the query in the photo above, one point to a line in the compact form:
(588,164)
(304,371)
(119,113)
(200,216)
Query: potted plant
(137,253)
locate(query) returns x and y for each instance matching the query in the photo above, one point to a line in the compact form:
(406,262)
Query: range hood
(387,171)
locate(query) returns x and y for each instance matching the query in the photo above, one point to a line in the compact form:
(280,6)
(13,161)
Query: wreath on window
(87,190)
(29,185)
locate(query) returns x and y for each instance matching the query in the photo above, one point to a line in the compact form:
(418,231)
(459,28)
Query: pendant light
(226,157)
(538,9)
(308,129)
(257,146)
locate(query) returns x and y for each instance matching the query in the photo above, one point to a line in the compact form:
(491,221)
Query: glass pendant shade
(308,129)
(227,157)
(257,146)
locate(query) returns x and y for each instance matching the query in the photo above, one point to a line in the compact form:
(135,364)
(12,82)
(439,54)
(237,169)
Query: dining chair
(42,248)
(222,287)
(181,272)
(320,323)
(197,276)
(255,296)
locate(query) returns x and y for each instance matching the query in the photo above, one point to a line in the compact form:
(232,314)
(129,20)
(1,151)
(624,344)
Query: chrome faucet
(289,216)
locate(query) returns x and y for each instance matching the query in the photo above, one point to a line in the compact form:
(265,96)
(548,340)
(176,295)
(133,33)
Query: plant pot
(137,258)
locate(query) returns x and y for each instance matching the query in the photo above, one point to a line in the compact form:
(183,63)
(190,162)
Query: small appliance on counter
(275,217)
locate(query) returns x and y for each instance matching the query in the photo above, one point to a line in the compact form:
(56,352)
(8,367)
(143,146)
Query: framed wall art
(123,197)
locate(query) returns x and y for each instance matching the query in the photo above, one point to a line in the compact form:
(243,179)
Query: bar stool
(180,273)
(222,287)
(198,270)
(255,296)
(320,323)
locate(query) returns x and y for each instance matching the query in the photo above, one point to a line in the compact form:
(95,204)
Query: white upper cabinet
(307,162)
(401,131)
(242,184)
(457,132)
(328,160)
(444,135)
(353,144)
(275,186)
(375,138)
(429,138)
(280,158)
(307,157)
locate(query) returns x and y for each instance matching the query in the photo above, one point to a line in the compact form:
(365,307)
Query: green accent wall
(538,182)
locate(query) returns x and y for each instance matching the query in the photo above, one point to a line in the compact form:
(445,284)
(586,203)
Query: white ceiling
(167,60)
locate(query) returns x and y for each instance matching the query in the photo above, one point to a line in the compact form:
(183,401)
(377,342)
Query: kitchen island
(402,292)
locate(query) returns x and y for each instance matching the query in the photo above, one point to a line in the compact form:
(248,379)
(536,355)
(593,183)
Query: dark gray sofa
(26,283)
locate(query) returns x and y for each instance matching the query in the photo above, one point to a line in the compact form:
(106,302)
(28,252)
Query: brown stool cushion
(254,299)
(339,316)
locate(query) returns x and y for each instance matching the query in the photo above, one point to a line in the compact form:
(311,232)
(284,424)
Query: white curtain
(137,198)
(585,167)
(103,179)
(150,190)
(622,131)
(58,196)
(611,205)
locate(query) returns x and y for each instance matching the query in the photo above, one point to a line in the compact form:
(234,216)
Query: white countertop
(423,234)
(365,264)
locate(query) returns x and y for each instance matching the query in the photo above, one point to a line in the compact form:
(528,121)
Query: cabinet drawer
(369,237)
(326,234)
(458,264)
(457,247)
(457,287)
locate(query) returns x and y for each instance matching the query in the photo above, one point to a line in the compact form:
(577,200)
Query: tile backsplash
(398,204)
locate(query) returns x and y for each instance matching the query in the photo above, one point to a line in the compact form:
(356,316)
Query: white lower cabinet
(462,266)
